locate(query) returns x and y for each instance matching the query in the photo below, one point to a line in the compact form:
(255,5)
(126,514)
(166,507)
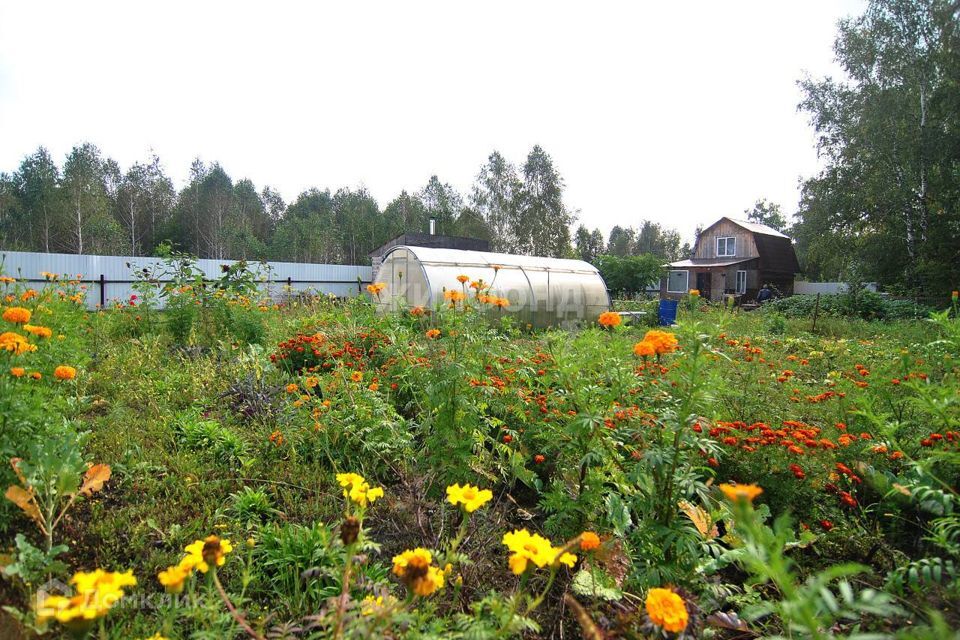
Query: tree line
(886,206)
(90,205)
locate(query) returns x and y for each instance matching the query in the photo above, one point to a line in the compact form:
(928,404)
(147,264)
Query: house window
(677,281)
(726,247)
(741,281)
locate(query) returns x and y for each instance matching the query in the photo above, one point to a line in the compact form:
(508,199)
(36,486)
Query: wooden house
(734,257)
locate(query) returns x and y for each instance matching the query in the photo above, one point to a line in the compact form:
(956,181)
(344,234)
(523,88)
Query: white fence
(826,288)
(110,278)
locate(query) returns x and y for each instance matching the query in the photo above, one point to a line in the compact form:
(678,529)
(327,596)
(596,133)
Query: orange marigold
(43,332)
(17,315)
(64,372)
(738,492)
(610,319)
(433,333)
(18,372)
(662,341)
(16,343)
(589,541)
(644,348)
(667,610)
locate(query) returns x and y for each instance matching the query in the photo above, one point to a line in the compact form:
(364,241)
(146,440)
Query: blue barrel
(668,312)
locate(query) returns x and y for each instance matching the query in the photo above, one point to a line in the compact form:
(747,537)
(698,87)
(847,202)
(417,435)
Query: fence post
(103,292)
(816,312)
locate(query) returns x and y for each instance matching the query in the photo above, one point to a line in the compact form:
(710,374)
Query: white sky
(676,112)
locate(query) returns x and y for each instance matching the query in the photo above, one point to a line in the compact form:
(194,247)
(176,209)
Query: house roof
(709,262)
(756,227)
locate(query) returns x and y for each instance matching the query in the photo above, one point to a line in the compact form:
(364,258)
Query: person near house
(765,294)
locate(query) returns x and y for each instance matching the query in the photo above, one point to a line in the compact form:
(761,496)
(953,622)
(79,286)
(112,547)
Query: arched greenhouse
(542,291)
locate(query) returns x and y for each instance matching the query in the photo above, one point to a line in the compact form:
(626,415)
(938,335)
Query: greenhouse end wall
(542,291)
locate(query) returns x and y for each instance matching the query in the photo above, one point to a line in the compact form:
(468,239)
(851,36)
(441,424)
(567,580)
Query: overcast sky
(676,112)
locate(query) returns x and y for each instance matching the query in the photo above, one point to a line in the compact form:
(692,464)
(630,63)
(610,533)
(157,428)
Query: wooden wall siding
(707,243)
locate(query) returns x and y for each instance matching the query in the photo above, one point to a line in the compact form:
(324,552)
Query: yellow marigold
(472,498)
(173,577)
(156,636)
(96,592)
(18,372)
(499,302)
(211,551)
(662,341)
(416,570)
(7,280)
(738,492)
(667,610)
(533,548)
(433,333)
(17,315)
(64,372)
(589,541)
(610,319)
(356,376)
(358,490)
(454,295)
(16,343)
(695,292)
(644,348)
(43,332)
(311,381)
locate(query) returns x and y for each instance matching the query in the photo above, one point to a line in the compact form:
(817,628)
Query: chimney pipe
(433,226)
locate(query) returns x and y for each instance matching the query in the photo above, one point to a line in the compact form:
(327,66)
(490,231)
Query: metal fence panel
(111,278)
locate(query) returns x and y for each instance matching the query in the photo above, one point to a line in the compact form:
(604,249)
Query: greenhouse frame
(542,292)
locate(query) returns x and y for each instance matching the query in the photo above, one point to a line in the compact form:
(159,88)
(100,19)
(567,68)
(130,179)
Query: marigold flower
(499,302)
(64,372)
(453,295)
(667,610)
(42,332)
(358,490)
(433,333)
(609,319)
(17,315)
(738,492)
(15,343)
(36,375)
(589,541)
(356,376)
(417,311)
(644,348)
(694,292)
(462,279)
(663,341)
(472,498)
(173,577)
(17,372)
(211,551)
(292,387)
(533,548)
(96,592)
(416,570)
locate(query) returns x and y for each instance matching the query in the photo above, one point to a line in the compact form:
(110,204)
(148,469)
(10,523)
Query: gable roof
(755,227)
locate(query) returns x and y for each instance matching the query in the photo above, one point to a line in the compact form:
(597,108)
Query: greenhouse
(541,292)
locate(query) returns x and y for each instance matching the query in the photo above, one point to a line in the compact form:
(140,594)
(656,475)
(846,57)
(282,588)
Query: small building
(734,257)
(425,240)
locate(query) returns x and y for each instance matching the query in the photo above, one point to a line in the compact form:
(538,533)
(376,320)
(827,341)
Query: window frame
(686,287)
(726,246)
(737,288)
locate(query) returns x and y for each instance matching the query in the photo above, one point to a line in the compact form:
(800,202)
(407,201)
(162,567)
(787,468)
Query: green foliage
(210,438)
(865,304)
(631,275)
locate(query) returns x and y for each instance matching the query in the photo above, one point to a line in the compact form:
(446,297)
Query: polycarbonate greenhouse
(542,291)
